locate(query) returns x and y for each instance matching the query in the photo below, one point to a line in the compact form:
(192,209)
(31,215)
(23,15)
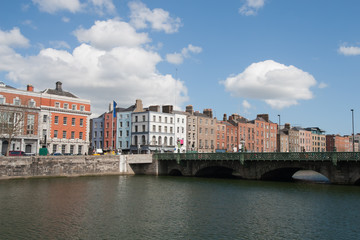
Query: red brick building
(337,143)
(60,119)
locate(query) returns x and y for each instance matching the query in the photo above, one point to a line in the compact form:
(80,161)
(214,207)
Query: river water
(148,207)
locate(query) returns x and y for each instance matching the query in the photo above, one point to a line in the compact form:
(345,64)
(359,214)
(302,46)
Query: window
(56,119)
(121,124)
(120,133)
(64,134)
(30,124)
(165,119)
(63,147)
(17,101)
(136,118)
(54,148)
(127,124)
(2,99)
(159,128)
(73,107)
(44,133)
(143,128)
(165,128)
(65,121)
(171,120)
(80,135)
(72,149)
(171,129)
(81,122)
(72,121)
(66,106)
(32,103)
(159,118)
(95,134)
(55,133)
(82,108)
(154,118)
(136,128)
(143,118)
(127,133)
(80,149)
(57,104)
(45,118)
(72,135)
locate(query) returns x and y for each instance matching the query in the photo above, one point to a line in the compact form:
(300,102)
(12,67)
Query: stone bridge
(338,167)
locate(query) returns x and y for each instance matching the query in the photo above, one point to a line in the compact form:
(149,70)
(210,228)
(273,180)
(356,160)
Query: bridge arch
(215,172)
(175,172)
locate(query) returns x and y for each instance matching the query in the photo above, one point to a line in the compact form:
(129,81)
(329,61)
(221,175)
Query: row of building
(60,121)
(161,128)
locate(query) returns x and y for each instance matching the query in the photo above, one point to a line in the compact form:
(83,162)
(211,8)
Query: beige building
(201,129)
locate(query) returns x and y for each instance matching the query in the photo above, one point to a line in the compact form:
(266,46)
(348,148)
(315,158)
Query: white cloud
(13,38)
(159,19)
(111,33)
(104,67)
(52,6)
(65,19)
(59,44)
(277,84)
(349,51)
(103,6)
(322,85)
(178,58)
(246,104)
(251,7)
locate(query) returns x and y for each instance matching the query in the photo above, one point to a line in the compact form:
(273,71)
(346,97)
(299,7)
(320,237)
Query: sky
(296,60)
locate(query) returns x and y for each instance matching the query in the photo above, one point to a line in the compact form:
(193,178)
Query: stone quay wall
(57,166)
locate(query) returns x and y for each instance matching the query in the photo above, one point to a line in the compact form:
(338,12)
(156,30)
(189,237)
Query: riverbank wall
(71,166)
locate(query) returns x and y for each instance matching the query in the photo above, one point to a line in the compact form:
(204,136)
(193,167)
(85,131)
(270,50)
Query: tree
(11,125)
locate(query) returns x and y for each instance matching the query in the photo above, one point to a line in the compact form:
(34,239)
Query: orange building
(62,121)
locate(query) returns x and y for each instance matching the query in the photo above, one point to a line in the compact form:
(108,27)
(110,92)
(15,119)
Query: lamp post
(353,140)
(279,134)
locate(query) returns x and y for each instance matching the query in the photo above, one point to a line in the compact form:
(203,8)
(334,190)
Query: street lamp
(353,140)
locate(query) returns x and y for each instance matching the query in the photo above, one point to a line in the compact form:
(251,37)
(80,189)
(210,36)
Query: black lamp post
(353,137)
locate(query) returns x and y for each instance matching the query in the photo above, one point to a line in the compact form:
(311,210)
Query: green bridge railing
(242,157)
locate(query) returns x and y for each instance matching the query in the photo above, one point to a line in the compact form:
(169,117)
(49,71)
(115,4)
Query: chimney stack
(58,86)
(189,109)
(30,88)
(225,117)
(208,112)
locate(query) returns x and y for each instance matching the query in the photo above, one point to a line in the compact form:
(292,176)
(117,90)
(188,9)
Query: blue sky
(297,59)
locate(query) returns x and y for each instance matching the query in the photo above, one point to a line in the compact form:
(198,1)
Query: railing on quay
(275,156)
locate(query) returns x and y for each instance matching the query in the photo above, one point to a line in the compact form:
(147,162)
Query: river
(148,207)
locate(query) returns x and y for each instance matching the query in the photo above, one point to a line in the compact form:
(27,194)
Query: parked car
(56,154)
(16,153)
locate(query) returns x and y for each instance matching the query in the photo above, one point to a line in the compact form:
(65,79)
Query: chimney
(225,117)
(138,106)
(208,112)
(58,86)
(154,108)
(167,109)
(264,116)
(189,109)
(287,125)
(30,88)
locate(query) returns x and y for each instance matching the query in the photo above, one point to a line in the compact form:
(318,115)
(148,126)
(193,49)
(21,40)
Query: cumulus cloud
(278,85)
(159,19)
(52,6)
(105,66)
(178,58)
(59,44)
(103,6)
(13,38)
(251,7)
(349,51)
(246,104)
(111,33)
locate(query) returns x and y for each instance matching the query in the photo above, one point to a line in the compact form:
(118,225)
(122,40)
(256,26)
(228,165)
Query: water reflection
(146,207)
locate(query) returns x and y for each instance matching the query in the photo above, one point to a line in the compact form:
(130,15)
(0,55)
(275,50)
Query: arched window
(165,141)
(153,140)
(171,141)
(136,140)
(143,140)
(159,140)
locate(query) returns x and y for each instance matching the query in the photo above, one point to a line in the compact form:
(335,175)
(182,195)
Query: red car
(16,153)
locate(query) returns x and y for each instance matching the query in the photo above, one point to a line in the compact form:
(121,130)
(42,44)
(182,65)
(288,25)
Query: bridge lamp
(353,136)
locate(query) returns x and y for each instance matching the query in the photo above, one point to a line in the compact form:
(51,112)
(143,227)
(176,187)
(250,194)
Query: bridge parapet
(334,157)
